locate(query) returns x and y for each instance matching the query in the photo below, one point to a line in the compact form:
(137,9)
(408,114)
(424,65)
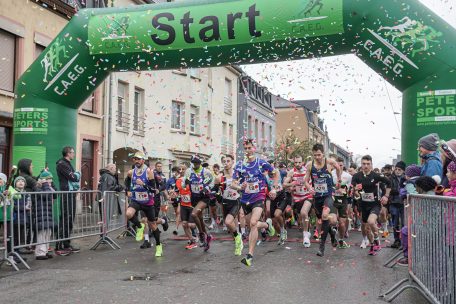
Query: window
(224,139)
(88,105)
(230,138)
(228,103)
(209,124)
(263,135)
(271,138)
(194,120)
(256,130)
(138,110)
(39,49)
(7,61)
(177,121)
(249,127)
(122,115)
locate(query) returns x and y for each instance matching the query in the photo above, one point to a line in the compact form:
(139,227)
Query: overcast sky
(357,105)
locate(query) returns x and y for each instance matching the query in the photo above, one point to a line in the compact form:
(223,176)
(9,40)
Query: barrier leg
(106,240)
(9,260)
(128,231)
(393,258)
(20,259)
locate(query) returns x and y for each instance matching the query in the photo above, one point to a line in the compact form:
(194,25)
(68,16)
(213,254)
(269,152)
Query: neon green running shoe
(140,233)
(159,250)
(271,230)
(247,261)
(238,245)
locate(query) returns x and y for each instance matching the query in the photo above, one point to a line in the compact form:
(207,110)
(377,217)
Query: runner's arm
(307,178)
(288,181)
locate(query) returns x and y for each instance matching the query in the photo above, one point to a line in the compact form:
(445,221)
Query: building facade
(26,29)
(256,117)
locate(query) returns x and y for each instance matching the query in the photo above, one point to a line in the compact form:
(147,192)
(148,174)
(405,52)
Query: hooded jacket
(432,165)
(108,182)
(67,175)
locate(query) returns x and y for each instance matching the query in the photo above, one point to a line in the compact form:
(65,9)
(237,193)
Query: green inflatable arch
(409,45)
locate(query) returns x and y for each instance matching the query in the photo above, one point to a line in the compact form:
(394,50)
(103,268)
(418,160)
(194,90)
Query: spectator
(22,203)
(43,215)
(25,169)
(424,185)
(430,157)
(5,203)
(396,202)
(412,173)
(109,181)
(68,181)
(451,174)
(448,154)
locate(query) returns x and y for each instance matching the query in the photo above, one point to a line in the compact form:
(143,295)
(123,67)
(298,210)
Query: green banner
(436,108)
(31,120)
(226,23)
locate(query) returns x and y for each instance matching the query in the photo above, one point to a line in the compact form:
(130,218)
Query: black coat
(65,173)
(42,208)
(108,182)
(23,169)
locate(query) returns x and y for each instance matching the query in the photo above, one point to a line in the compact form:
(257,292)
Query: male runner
(322,188)
(278,204)
(142,189)
(341,202)
(171,189)
(295,181)
(366,186)
(201,182)
(249,177)
(214,197)
(230,201)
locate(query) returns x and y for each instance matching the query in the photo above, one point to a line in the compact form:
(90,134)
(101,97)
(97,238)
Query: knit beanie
(412,171)
(426,183)
(46,175)
(430,142)
(452,167)
(450,151)
(401,165)
(18,179)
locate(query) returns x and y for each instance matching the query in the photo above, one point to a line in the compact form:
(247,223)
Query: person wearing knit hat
(451,174)
(430,157)
(425,185)
(17,179)
(46,175)
(449,149)
(396,201)
(412,171)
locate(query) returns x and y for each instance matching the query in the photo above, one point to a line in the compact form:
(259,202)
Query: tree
(290,146)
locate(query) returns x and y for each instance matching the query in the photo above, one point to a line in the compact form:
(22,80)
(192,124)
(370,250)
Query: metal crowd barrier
(432,252)
(391,262)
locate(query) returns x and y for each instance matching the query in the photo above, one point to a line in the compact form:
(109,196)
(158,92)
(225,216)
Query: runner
(201,182)
(214,197)
(186,209)
(341,202)
(142,189)
(248,177)
(295,181)
(278,204)
(160,180)
(366,186)
(230,201)
(171,190)
(319,172)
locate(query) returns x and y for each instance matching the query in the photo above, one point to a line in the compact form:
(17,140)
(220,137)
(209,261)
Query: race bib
(277,188)
(321,186)
(367,197)
(230,194)
(196,188)
(252,188)
(186,198)
(301,190)
(141,196)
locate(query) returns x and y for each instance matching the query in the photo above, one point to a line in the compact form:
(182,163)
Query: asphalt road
(280,274)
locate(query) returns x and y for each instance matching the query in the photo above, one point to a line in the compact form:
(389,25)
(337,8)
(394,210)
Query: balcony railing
(139,124)
(123,121)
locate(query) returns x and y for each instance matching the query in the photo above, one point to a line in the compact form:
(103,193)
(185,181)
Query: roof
(312,105)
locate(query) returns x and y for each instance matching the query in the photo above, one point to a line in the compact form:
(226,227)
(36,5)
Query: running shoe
(247,261)
(238,245)
(321,251)
(385,234)
(396,244)
(202,239)
(159,250)
(377,248)
(207,245)
(63,252)
(364,244)
(372,251)
(166,224)
(343,245)
(145,245)
(191,245)
(306,239)
(332,234)
(316,235)
(264,235)
(271,230)
(140,233)
(285,234)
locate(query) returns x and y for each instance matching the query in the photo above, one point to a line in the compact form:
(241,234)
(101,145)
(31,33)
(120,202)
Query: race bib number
(186,198)
(252,188)
(141,196)
(230,194)
(367,197)
(321,186)
(197,188)
(301,190)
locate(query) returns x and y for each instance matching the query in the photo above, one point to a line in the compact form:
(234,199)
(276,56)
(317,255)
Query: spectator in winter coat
(25,169)
(69,181)
(451,174)
(397,202)
(430,157)
(448,154)
(42,213)
(109,182)
(21,213)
